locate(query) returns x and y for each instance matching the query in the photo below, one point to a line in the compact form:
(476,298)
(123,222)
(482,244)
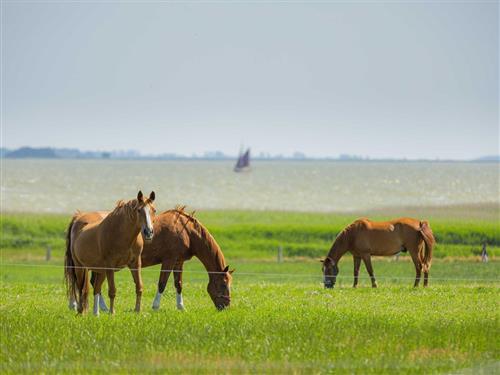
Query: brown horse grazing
(106,245)
(178,237)
(364,238)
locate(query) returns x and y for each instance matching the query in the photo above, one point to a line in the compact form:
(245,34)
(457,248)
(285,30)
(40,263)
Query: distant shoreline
(49,153)
(285,160)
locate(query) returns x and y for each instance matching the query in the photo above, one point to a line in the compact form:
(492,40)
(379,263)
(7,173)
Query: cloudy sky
(380,79)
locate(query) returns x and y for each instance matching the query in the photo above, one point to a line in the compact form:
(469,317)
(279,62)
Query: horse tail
(69,265)
(429,240)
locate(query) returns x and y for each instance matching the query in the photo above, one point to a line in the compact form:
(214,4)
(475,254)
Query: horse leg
(178,286)
(418,265)
(368,264)
(84,287)
(357,264)
(102,303)
(97,282)
(72,305)
(426,279)
(166,268)
(135,268)
(80,279)
(110,275)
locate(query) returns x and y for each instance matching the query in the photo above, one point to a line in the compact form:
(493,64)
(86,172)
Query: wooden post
(280,254)
(484,254)
(48,253)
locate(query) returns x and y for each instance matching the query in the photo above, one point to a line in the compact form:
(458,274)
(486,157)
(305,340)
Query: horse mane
(205,235)
(120,203)
(344,236)
(344,233)
(123,205)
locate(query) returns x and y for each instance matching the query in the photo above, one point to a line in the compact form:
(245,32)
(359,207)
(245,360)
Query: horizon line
(26,152)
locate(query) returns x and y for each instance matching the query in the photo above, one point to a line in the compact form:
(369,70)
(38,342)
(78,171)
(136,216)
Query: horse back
(170,242)
(384,237)
(390,226)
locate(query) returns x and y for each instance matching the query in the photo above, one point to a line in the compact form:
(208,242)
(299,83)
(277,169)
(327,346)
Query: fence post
(484,253)
(48,253)
(280,254)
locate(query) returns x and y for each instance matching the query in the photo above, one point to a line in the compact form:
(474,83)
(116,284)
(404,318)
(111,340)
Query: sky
(377,79)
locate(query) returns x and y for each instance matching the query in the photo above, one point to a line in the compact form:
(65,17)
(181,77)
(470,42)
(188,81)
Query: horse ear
(330,259)
(226,269)
(152,196)
(140,196)
(231,272)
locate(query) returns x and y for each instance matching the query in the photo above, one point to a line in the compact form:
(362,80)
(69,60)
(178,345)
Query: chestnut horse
(178,237)
(364,238)
(106,245)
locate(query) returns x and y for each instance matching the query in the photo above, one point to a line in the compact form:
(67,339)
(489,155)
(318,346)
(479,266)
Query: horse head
(219,288)
(145,212)
(330,271)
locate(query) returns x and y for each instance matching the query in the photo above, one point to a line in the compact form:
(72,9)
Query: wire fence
(318,275)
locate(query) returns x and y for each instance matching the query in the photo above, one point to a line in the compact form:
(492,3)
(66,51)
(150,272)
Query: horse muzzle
(222,303)
(147,234)
(329,283)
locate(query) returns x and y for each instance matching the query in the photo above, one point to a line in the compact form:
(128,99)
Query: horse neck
(207,251)
(339,247)
(122,225)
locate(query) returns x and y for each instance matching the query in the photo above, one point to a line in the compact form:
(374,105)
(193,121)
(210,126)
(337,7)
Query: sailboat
(243,163)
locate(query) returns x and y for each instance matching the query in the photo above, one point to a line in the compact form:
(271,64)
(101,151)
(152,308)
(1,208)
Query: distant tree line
(73,153)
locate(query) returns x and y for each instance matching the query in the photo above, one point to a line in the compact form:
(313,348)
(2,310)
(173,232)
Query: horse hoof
(181,308)
(156,307)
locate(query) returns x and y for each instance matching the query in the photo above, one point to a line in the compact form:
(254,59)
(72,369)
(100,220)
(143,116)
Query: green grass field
(281,319)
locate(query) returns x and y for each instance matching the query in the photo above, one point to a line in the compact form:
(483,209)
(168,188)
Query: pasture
(281,319)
